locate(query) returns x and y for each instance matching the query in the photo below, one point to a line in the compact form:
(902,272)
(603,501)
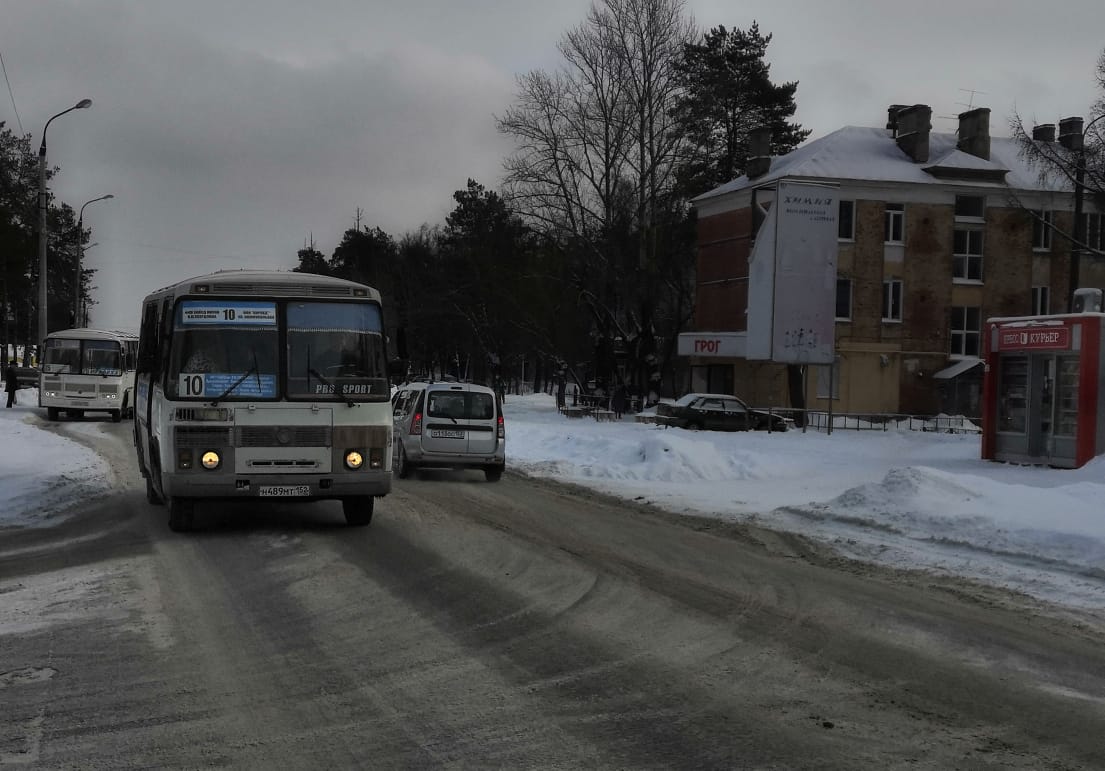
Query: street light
(43,329)
(80,258)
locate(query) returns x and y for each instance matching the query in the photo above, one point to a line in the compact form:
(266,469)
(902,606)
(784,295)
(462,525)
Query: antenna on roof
(970,104)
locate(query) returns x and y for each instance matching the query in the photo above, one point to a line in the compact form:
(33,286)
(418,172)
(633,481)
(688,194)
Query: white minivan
(448,425)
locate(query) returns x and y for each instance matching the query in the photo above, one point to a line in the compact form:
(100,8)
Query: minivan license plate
(447,434)
(284,491)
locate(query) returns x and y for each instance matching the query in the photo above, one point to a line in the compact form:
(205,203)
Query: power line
(11,95)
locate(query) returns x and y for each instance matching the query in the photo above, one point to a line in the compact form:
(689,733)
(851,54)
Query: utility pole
(1072,138)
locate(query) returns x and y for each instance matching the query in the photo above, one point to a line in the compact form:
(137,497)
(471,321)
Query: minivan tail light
(416,423)
(502,428)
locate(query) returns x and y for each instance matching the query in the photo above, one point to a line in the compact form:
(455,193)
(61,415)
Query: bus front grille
(282,436)
(202,436)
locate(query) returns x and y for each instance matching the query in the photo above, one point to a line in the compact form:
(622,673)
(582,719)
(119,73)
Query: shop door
(1041,420)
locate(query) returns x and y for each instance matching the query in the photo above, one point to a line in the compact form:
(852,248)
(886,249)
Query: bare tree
(1075,163)
(594,167)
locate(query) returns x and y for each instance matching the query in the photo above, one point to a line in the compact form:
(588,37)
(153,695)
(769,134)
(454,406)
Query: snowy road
(522,624)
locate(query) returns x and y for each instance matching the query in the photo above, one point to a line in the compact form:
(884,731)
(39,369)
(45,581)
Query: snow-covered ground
(908,499)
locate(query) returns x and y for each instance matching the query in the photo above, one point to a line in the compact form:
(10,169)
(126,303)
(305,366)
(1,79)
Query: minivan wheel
(403,467)
(358,511)
(52,413)
(493,473)
(116,416)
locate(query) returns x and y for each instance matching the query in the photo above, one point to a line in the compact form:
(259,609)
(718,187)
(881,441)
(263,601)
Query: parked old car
(717,412)
(27,377)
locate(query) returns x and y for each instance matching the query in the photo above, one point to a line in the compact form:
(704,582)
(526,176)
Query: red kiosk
(1042,392)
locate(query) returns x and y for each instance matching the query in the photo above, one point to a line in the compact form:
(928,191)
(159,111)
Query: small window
(967,256)
(1041,301)
(895,223)
(966,330)
(843,299)
(846,221)
(1093,230)
(1041,230)
(892,300)
(971,207)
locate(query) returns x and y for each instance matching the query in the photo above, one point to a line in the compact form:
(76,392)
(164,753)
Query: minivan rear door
(445,427)
(482,422)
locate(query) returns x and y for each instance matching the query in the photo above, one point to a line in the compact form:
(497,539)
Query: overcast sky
(230,131)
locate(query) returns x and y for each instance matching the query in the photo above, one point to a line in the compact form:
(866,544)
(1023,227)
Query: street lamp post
(80,259)
(1073,137)
(43,329)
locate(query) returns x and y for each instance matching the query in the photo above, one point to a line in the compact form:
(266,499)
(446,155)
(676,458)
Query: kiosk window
(1067,397)
(1013,394)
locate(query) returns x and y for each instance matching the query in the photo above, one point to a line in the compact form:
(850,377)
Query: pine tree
(727,92)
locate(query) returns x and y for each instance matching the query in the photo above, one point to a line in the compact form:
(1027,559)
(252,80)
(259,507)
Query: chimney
(1045,132)
(914,125)
(892,118)
(974,132)
(759,152)
(1070,133)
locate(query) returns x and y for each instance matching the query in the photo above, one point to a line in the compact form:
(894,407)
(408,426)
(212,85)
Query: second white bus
(87,370)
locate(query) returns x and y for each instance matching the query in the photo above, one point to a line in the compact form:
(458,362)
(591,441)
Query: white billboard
(792,277)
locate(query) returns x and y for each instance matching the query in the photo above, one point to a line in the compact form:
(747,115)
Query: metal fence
(815,420)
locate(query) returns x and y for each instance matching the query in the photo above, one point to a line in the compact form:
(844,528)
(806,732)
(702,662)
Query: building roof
(957,369)
(860,153)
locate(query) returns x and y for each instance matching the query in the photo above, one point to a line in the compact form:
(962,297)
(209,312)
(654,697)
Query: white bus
(87,370)
(263,384)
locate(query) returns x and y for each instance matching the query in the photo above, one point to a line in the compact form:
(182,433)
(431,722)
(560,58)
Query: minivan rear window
(460,405)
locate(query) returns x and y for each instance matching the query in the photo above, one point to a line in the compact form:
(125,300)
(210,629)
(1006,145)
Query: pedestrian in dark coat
(11,382)
(619,401)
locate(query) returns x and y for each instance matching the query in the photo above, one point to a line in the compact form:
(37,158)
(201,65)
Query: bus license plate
(284,491)
(447,434)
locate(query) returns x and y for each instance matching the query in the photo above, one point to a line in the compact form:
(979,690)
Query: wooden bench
(603,415)
(576,412)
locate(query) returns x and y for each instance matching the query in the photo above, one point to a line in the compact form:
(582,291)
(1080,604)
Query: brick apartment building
(937,233)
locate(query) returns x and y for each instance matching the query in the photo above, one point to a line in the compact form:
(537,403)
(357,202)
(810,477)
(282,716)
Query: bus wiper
(338,389)
(251,371)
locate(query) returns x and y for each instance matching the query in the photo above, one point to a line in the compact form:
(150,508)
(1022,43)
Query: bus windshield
(336,351)
(82,357)
(224,349)
(230,349)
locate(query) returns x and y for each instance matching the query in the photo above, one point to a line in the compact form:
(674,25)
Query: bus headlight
(210,460)
(354,460)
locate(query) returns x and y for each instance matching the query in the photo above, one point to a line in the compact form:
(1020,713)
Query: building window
(892,300)
(1041,301)
(970,207)
(846,221)
(967,255)
(1041,230)
(844,299)
(1093,227)
(966,330)
(824,373)
(895,223)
